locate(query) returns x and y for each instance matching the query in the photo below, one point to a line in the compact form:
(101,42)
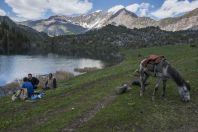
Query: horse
(163,71)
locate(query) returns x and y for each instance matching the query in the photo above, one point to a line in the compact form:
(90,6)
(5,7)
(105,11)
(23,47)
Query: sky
(21,10)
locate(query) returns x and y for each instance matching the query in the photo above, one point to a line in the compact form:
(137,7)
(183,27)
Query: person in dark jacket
(33,80)
(51,82)
(28,85)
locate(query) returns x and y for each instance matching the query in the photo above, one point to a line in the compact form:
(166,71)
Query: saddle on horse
(151,61)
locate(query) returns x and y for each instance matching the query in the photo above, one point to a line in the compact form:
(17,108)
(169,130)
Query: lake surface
(17,66)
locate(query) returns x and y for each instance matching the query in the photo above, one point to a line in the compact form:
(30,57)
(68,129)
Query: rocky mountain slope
(131,20)
(185,22)
(55,26)
(60,25)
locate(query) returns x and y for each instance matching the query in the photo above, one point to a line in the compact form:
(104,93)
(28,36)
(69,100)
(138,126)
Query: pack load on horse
(162,70)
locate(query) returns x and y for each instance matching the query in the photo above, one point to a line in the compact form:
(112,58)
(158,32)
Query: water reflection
(17,66)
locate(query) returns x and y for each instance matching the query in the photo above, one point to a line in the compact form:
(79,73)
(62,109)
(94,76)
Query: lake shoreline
(85,67)
(18,66)
(12,87)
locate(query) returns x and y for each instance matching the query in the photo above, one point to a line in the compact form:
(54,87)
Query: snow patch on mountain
(60,25)
(97,11)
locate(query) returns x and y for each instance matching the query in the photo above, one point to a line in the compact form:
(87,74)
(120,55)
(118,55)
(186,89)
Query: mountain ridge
(123,17)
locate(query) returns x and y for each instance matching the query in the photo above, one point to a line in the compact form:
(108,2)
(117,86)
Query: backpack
(21,94)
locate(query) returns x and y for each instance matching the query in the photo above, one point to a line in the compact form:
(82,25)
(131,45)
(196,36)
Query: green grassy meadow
(88,102)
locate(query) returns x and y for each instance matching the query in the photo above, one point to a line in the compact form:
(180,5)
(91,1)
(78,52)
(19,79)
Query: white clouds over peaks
(140,9)
(2,12)
(171,8)
(34,9)
(133,7)
(116,8)
(144,9)
(69,6)
(37,9)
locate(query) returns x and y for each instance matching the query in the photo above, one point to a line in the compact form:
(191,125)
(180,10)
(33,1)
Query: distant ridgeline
(101,43)
(105,42)
(145,37)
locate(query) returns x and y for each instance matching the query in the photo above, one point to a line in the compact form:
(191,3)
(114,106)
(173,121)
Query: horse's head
(185,92)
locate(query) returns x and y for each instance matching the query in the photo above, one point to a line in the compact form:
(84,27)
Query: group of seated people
(30,83)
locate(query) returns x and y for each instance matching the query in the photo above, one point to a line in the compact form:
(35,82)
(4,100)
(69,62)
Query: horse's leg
(143,79)
(164,88)
(146,76)
(141,83)
(156,88)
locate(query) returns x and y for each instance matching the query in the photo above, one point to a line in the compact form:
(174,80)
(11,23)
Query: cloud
(140,9)
(116,8)
(2,12)
(69,6)
(144,9)
(171,8)
(133,7)
(35,9)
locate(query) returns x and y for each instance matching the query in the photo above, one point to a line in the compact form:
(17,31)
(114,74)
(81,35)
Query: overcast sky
(21,10)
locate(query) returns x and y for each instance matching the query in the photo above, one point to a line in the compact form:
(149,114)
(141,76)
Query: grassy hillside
(88,102)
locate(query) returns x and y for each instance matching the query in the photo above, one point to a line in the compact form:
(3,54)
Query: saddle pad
(153,59)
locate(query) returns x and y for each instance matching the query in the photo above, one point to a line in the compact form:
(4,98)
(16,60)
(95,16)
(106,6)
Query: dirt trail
(89,114)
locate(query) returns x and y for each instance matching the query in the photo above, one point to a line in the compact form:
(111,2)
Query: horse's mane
(175,76)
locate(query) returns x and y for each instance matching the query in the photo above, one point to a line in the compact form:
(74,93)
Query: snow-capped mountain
(55,26)
(92,20)
(130,20)
(60,25)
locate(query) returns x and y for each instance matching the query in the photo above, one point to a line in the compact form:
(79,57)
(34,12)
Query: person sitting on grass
(51,82)
(28,85)
(33,80)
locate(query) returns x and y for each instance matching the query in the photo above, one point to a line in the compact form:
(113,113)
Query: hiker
(28,85)
(33,80)
(51,82)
